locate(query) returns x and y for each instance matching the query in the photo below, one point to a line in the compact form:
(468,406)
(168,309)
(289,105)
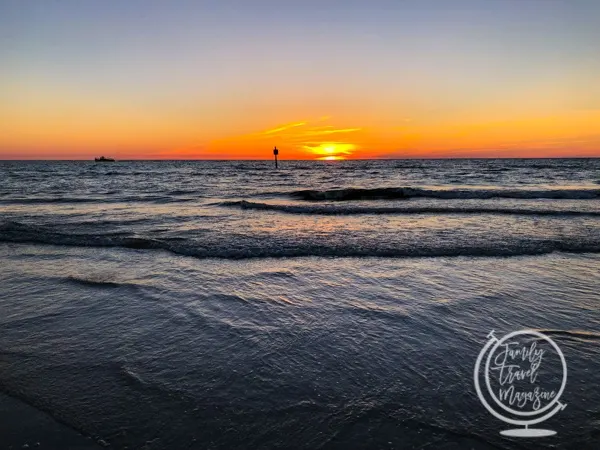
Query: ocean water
(342,305)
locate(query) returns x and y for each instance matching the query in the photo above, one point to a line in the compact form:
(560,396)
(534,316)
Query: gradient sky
(338,79)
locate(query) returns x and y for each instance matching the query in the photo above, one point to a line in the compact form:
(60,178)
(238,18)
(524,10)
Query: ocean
(323,305)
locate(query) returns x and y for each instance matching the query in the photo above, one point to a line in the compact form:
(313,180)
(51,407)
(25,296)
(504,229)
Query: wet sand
(23,426)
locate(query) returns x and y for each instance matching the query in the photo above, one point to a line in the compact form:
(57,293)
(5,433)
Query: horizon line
(313,160)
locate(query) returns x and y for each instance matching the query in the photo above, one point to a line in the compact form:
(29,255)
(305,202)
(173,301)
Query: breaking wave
(233,248)
(394,193)
(92,282)
(332,210)
(108,198)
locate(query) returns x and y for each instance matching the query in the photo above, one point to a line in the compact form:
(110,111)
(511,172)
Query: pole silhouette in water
(275,152)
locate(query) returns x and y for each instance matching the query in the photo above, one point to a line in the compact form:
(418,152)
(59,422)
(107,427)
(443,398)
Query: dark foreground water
(225,305)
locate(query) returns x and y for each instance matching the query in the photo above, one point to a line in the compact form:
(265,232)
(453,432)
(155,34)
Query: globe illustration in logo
(516,382)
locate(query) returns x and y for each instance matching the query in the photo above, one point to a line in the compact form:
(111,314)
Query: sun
(331,151)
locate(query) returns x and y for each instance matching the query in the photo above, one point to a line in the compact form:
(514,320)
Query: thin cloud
(284,127)
(314,132)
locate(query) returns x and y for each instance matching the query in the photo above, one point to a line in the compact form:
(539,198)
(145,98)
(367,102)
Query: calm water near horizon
(324,305)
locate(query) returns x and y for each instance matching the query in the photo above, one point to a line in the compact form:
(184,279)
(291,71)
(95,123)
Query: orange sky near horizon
(569,135)
(62,122)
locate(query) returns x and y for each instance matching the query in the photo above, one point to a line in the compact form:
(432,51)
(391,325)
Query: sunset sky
(229,79)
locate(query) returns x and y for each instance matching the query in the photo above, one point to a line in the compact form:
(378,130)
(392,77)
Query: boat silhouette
(104,159)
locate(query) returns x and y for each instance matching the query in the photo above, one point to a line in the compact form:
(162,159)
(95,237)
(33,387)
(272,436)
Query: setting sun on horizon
(149,80)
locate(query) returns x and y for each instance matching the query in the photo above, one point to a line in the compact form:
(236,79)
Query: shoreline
(24,426)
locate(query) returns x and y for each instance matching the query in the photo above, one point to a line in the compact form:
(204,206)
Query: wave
(183,192)
(34,200)
(92,282)
(332,210)
(131,377)
(395,193)
(108,199)
(233,248)
(572,334)
(19,232)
